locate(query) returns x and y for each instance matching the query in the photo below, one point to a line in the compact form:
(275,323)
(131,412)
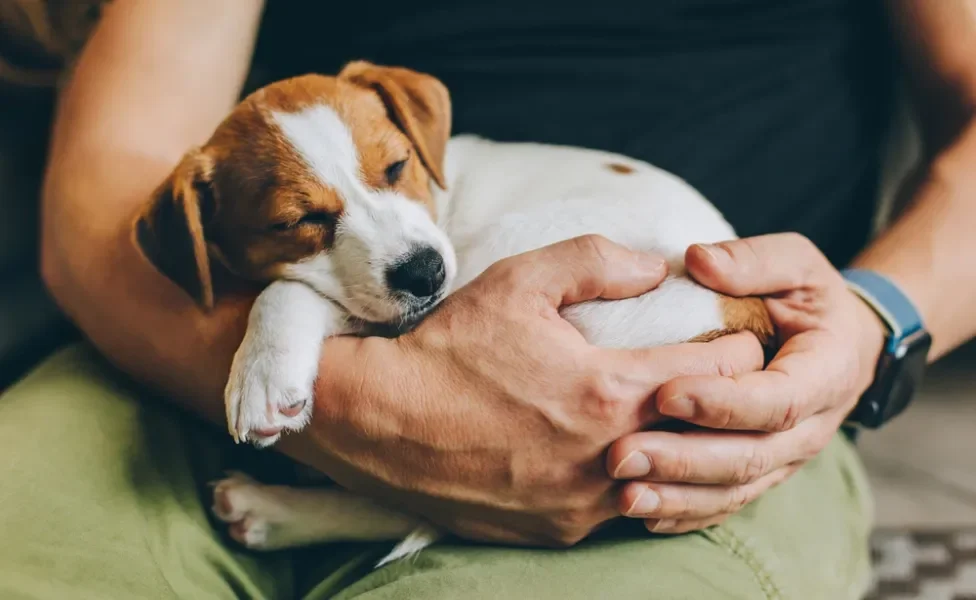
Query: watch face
(900,376)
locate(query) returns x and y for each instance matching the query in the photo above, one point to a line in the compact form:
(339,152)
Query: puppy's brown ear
(419,104)
(170,230)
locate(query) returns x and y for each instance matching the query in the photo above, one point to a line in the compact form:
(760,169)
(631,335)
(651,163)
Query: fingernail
(718,255)
(635,465)
(654,263)
(645,503)
(679,407)
(663,525)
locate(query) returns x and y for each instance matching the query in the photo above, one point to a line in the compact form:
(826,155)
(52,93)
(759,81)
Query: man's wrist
(902,359)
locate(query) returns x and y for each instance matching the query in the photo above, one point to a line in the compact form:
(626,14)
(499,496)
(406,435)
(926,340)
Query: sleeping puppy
(347,197)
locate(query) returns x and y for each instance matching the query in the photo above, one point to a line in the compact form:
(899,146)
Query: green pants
(103,496)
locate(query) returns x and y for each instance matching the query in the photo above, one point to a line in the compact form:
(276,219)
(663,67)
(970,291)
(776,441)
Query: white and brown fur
(319,186)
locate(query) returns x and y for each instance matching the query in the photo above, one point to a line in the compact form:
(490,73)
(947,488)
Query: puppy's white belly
(506,199)
(676,311)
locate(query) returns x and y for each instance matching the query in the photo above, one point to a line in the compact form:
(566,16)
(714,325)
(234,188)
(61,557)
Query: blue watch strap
(885,298)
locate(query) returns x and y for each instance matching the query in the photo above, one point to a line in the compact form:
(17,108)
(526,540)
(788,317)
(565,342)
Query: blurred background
(921,469)
(921,465)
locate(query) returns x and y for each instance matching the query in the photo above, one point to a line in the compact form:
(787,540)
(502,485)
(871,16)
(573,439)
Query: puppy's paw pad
(294,411)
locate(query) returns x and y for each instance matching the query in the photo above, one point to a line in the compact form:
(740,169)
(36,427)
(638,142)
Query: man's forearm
(930,250)
(154,79)
(135,317)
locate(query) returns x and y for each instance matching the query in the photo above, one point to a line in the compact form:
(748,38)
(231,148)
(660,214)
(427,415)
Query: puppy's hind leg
(271,517)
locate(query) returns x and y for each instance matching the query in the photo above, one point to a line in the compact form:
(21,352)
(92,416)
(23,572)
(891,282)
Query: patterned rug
(924,565)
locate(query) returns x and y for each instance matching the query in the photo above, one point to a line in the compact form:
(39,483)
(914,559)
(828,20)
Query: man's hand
(493,417)
(764,425)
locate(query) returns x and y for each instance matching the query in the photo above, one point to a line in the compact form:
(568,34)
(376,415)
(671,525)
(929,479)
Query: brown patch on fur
(381,143)
(710,336)
(743,314)
(260,184)
(620,168)
(417,103)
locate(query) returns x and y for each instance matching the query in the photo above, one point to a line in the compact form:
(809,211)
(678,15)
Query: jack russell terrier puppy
(348,197)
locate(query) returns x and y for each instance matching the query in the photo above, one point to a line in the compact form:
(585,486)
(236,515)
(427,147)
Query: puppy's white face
(389,262)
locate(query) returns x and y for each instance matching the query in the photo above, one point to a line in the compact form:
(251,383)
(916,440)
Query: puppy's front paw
(269,391)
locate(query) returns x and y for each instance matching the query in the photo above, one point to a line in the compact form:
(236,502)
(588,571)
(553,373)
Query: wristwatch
(904,358)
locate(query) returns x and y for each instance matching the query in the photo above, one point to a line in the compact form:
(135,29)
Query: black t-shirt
(775,109)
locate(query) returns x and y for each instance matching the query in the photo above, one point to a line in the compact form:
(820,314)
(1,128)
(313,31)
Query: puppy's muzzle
(419,276)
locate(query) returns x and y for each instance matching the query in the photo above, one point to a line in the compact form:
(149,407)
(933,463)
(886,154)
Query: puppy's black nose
(420,274)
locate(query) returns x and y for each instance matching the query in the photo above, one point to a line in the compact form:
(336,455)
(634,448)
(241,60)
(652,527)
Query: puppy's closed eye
(395,171)
(312,219)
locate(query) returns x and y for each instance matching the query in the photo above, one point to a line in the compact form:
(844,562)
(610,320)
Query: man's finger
(674,527)
(755,266)
(636,375)
(711,457)
(650,367)
(587,268)
(792,388)
(679,502)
